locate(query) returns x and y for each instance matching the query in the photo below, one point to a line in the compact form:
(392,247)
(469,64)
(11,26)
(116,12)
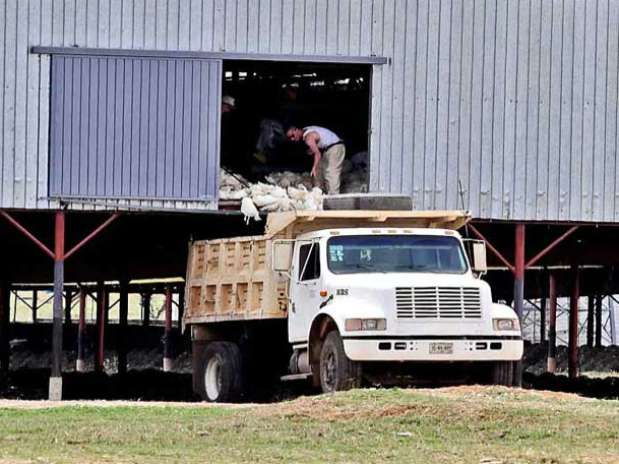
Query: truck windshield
(395,253)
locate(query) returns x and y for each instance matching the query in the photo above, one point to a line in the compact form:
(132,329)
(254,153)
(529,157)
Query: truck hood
(373,295)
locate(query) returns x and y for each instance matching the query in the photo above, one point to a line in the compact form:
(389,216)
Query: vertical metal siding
(516,101)
(100,141)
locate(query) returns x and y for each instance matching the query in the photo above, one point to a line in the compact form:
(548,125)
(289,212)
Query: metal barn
(110,120)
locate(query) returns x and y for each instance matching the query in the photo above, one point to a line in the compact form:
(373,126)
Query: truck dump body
(232,279)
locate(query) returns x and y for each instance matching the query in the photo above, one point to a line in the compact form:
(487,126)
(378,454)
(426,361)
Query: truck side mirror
(476,249)
(282,255)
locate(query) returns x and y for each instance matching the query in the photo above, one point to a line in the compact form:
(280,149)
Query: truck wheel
(222,377)
(503,373)
(337,372)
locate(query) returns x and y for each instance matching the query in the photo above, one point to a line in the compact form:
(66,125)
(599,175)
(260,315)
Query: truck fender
(322,324)
(501,310)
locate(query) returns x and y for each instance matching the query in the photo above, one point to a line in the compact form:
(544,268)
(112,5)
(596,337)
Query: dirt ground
(603,359)
(470,424)
(310,406)
(145,381)
(46,404)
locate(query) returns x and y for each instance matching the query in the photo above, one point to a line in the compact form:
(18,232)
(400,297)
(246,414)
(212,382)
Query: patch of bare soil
(469,391)
(44,404)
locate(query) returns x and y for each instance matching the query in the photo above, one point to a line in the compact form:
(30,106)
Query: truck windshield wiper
(418,268)
(367,267)
(406,266)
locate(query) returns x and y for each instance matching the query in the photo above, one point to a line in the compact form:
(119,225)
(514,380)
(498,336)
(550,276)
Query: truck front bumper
(439,349)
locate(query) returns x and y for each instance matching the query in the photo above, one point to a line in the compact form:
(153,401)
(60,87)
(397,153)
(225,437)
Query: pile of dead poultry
(286,191)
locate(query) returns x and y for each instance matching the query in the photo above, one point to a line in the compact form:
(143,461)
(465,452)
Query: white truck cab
(341,293)
(398,294)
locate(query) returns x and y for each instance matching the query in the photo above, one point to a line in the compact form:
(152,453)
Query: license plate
(441,348)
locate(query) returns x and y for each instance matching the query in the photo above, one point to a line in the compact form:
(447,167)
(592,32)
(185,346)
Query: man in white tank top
(328,151)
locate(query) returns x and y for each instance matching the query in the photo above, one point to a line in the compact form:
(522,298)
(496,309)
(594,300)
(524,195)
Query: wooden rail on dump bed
(231,279)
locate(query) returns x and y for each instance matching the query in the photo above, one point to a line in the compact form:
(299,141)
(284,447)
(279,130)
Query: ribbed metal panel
(438,303)
(508,108)
(134,128)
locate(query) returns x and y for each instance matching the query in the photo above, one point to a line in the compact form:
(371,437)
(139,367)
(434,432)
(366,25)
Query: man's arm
(311,140)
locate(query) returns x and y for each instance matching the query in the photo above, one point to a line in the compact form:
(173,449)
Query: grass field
(456,425)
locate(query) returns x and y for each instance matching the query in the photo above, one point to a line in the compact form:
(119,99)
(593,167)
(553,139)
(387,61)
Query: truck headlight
(355,325)
(506,324)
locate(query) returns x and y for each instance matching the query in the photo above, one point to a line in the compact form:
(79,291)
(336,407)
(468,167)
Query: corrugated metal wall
(514,101)
(139,128)
(510,106)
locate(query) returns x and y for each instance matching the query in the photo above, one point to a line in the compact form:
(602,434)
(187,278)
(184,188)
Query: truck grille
(438,302)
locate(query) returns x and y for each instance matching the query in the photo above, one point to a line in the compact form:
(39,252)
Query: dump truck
(334,296)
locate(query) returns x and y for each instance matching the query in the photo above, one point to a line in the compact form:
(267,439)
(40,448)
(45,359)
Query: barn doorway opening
(261,99)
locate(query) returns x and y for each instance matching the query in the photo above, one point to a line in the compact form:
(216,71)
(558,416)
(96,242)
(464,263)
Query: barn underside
(147,245)
(127,255)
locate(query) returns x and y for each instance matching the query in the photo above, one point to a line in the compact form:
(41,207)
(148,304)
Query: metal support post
(542,317)
(519,267)
(573,324)
(167,336)
(123,313)
(519,270)
(68,301)
(59,256)
(80,365)
(101,322)
(181,307)
(551,365)
(611,322)
(35,305)
(146,309)
(590,319)
(55,381)
(5,319)
(598,320)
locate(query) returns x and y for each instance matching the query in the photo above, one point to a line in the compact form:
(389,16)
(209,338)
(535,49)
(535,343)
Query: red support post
(573,324)
(519,268)
(552,324)
(167,336)
(55,381)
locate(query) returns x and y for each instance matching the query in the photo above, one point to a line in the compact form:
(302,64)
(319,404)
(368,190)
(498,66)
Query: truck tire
(337,372)
(221,373)
(503,373)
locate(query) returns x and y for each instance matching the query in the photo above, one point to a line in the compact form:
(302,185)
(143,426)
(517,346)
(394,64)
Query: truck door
(305,294)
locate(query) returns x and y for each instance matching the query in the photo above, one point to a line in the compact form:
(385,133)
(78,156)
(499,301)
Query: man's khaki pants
(330,169)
